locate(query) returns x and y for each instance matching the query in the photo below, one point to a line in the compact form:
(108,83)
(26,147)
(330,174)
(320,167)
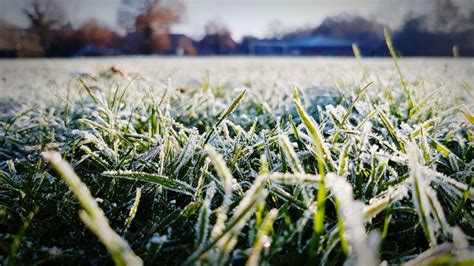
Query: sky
(246,17)
(259,18)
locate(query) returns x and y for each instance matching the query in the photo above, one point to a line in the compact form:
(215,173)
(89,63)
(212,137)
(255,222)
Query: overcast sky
(242,17)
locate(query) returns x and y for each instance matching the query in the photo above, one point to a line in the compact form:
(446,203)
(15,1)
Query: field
(237,161)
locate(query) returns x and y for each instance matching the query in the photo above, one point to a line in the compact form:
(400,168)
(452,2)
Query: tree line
(146,29)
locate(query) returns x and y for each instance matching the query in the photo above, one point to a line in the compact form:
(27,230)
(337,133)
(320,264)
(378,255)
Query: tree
(151,20)
(354,28)
(65,41)
(276,29)
(218,39)
(447,16)
(94,33)
(44,16)
(437,32)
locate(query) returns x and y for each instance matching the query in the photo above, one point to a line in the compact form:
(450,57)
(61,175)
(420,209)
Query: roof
(307,41)
(318,40)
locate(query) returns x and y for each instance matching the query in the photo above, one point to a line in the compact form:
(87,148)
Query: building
(306,45)
(9,39)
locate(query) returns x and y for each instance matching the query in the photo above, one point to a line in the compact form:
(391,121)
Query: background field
(35,76)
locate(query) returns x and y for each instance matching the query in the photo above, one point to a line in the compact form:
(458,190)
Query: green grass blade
(351,107)
(343,159)
(403,82)
(351,212)
(92,215)
(242,213)
(290,154)
(467,114)
(202,226)
(226,113)
(262,238)
(134,209)
(165,182)
(462,203)
(15,246)
(391,130)
(419,192)
(322,152)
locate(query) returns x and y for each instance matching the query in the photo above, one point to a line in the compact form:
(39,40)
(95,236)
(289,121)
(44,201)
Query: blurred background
(64,28)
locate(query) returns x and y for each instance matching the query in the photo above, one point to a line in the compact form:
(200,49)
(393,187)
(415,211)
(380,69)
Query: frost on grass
(361,253)
(229,164)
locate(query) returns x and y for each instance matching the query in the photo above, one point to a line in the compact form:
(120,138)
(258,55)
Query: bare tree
(216,27)
(156,15)
(276,29)
(218,39)
(44,16)
(151,19)
(447,17)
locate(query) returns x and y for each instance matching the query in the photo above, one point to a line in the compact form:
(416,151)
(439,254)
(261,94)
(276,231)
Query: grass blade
(391,130)
(134,209)
(165,182)
(389,43)
(226,113)
(290,154)
(419,192)
(351,212)
(92,215)
(262,239)
(202,226)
